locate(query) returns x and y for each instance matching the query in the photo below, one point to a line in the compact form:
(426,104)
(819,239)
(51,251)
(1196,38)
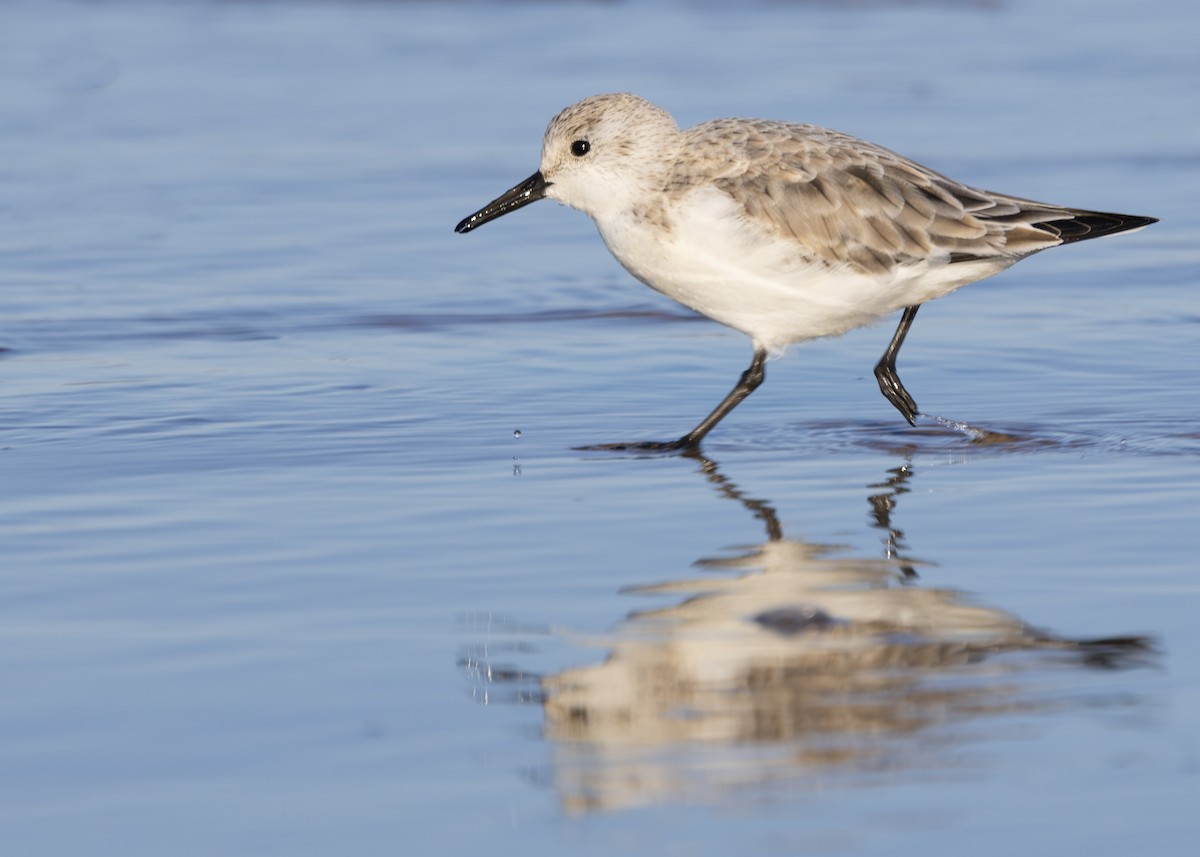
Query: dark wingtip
(1084,225)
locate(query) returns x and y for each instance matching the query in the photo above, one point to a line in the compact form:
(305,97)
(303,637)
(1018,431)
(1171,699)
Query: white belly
(716,262)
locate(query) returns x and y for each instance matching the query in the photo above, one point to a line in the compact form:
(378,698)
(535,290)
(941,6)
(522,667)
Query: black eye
(580,148)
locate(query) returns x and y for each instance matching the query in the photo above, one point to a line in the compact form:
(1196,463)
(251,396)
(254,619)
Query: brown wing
(849,202)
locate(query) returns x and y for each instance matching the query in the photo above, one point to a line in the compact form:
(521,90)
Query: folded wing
(852,203)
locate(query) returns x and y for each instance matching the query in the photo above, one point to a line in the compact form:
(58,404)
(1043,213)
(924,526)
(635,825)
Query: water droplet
(517,434)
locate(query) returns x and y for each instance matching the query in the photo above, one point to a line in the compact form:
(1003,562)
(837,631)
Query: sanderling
(783,231)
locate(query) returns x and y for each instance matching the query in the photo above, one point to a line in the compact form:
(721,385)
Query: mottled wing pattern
(850,202)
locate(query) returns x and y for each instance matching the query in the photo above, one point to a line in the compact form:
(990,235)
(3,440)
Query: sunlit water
(299,556)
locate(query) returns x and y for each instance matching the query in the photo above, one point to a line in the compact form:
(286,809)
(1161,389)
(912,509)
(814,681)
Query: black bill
(530,190)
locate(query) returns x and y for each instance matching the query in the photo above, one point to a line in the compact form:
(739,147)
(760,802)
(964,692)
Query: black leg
(885,370)
(747,384)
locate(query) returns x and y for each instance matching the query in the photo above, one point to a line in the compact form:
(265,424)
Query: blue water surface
(278,575)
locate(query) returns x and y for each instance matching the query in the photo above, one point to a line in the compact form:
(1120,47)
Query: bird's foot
(893,390)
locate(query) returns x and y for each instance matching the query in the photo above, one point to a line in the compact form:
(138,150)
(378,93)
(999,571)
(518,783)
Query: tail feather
(1083,225)
(1020,227)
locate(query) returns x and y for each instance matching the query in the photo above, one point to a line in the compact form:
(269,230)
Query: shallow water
(279,576)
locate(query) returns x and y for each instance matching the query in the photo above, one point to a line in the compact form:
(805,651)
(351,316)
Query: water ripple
(938,435)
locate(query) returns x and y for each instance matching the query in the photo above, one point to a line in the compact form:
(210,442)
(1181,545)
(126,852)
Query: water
(280,577)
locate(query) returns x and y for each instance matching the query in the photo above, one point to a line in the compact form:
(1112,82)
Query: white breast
(711,258)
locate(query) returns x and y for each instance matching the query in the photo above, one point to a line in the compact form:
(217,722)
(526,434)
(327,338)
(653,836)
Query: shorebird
(786,232)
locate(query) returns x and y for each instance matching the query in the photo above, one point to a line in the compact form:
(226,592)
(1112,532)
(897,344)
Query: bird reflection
(789,662)
(882,505)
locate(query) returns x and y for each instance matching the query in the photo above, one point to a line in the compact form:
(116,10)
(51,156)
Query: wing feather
(852,203)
